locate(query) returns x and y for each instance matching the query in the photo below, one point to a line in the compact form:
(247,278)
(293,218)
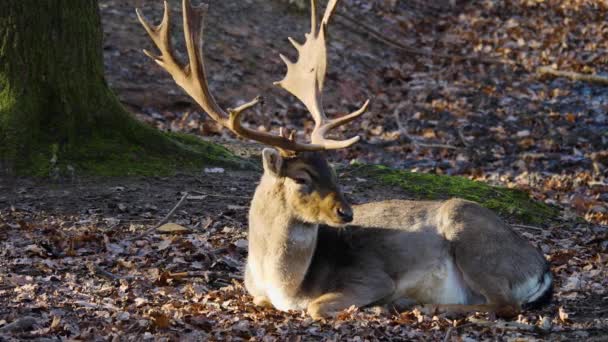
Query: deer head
(307,180)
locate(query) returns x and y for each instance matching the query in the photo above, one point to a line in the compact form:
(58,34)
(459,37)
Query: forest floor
(73,262)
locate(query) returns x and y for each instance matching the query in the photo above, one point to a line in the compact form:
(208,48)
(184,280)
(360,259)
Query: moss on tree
(511,203)
(56,110)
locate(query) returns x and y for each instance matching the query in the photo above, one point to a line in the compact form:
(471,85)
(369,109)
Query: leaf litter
(74,266)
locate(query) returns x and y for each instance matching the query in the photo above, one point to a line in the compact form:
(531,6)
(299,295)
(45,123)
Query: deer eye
(300,180)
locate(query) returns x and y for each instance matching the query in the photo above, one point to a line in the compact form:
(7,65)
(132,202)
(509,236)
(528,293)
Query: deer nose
(345,214)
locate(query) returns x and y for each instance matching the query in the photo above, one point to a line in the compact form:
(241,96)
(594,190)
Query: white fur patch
(302,235)
(532,289)
(454,290)
(440,284)
(282,301)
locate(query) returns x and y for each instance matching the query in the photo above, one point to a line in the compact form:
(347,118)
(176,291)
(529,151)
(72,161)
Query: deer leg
(330,303)
(327,304)
(262,301)
(495,291)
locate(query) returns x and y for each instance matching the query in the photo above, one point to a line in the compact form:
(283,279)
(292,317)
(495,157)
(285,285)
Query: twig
(573,75)
(106,274)
(421,144)
(358,25)
(448,334)
(462,138)
(221,196)
(96,269)
(465,325)
(524,226)
(202,274)
(163,221)
(504,325)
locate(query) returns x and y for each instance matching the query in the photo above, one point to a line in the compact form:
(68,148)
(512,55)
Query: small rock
(573,283)
(214,170)
(545,323)
(123,316)
(151,207)
(140,302)
(114,248)
(241,326)
(524,133)
(241,243)
(122,207)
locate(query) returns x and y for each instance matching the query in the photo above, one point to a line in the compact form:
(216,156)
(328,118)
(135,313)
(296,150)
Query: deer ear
(273,162)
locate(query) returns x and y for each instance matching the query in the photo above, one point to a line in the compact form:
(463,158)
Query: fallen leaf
(160,320)
(563,315)
(172,228)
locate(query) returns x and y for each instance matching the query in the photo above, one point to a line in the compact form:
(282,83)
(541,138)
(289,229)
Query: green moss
(510,203)
(57,115)
(117,156)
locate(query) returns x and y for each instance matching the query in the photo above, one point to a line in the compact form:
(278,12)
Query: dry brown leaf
(172,228)
(160,320)
(563,315)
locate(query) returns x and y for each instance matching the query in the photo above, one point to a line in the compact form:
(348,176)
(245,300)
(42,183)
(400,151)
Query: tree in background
(56,110)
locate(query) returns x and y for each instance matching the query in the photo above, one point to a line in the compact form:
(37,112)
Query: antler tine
(193,78)
(305,79)
(318,134)
(199,88)
(161,37)
(313,17)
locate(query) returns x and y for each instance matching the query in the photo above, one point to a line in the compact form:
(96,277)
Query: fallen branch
(164,220)
(524,226)
(573,75)
(214,195)
(202,274)
(106,274)
(21,324)
(357,25)
(448,334)
(504,325)
(98,270)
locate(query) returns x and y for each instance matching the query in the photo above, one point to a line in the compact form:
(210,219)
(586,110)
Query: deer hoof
(262,301)
(315,312)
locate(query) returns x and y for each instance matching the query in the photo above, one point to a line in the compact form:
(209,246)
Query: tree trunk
(56,109)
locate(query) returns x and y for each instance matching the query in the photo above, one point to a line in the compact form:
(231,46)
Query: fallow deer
(310,250)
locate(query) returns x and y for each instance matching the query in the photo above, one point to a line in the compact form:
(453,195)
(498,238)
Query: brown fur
(393,250)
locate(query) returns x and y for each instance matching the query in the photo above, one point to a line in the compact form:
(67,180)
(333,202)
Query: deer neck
(281,246)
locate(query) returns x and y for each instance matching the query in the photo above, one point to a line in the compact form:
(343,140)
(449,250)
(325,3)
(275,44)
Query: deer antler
(304,79)
(193,79)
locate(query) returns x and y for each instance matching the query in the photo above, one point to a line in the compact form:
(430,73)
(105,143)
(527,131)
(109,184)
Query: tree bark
(55,105)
